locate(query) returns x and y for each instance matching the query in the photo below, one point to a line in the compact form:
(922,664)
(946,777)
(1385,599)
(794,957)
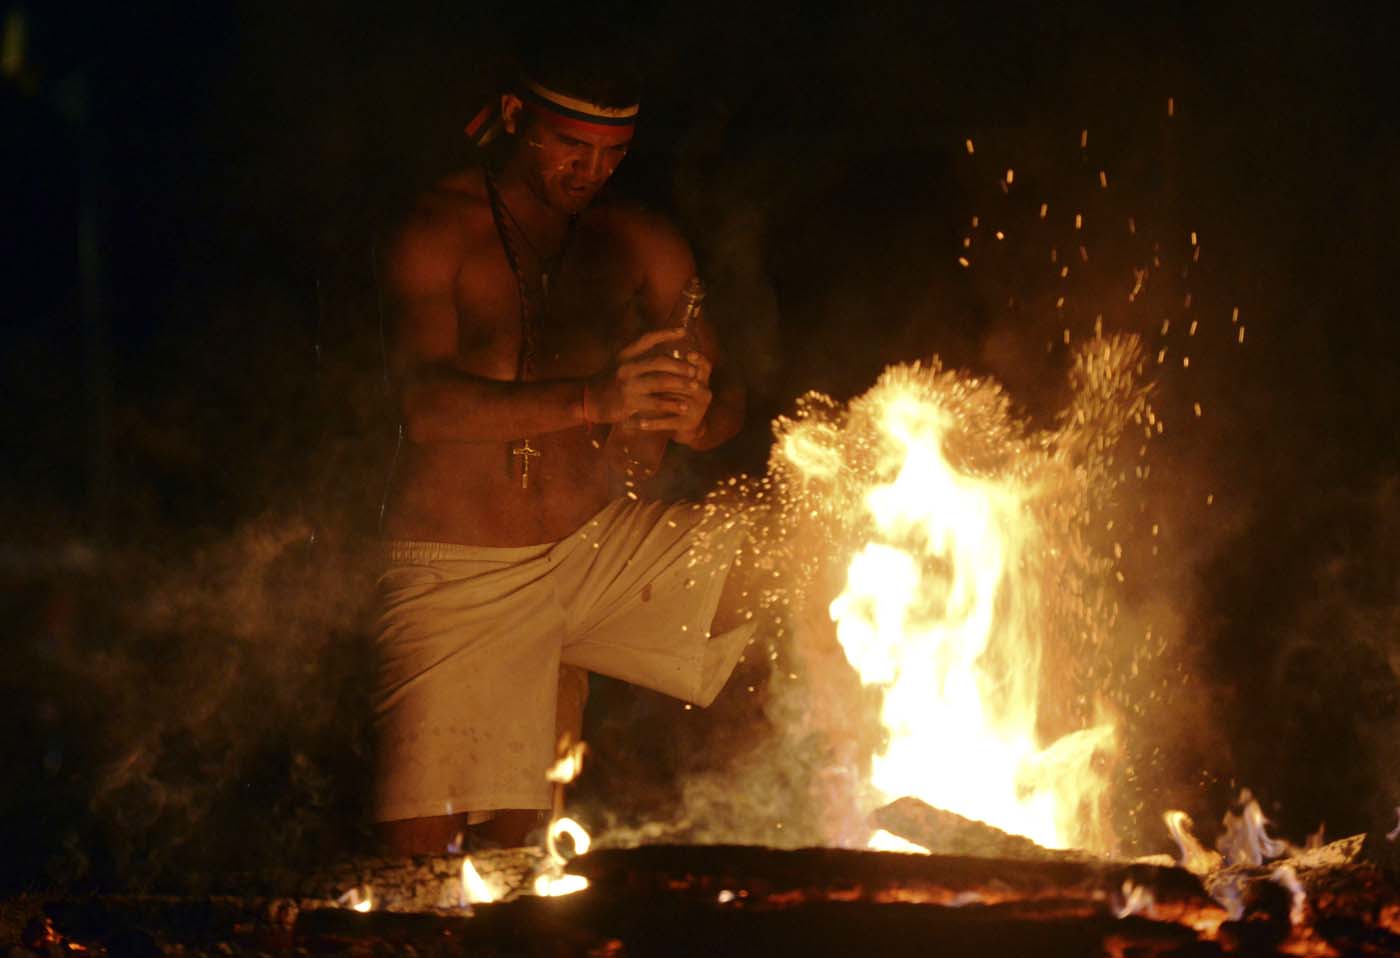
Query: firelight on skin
(574,150)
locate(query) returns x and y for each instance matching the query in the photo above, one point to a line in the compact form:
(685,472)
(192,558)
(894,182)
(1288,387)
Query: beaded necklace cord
(529,322)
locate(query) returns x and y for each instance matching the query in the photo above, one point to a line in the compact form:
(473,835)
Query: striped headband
(560,109)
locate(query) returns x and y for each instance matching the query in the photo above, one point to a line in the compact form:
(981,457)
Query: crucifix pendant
(525,452)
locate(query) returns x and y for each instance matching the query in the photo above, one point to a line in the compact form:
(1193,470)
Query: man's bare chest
(574,319)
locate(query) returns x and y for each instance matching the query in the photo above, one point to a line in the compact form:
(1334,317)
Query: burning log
(1332,893)
(947,833)
(743,900)
(426,883)
(263,910)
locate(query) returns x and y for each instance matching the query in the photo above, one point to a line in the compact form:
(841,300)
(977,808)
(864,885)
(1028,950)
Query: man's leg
(640,588)
(469,653)
(508,828)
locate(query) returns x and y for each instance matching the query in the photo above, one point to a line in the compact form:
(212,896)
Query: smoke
(182,708)
(189,681)
(1316,673)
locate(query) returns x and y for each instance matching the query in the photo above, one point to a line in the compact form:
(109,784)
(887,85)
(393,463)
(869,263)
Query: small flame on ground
(569,766)
(1288,878)
(1246,840)
(1195,858)
(474,887)
(883,841)
(575,831)
(1230,894)
(1133,900)
(552,886)
(358,898)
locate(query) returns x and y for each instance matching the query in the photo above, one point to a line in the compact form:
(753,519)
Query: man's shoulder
(643,232)
(440,227)
(452,203)
(442,221)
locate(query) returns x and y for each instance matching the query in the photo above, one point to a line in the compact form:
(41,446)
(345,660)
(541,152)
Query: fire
(552,882)
(883,841)
(1246,839)
(576,832)
(360,899)
(948,594)
(552,886)
(1194,856)
(474,887)
(569,766)
(1134,899)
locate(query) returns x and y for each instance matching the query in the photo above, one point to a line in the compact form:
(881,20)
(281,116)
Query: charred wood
(773,878)
(146,925)
(947,833)
(1337,899)
(597,922)
(424,883)
(743,900)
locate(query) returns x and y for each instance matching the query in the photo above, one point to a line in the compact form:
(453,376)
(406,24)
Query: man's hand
(688,422)
(658,388)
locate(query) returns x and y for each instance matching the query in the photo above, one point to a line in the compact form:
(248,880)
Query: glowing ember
(949,596)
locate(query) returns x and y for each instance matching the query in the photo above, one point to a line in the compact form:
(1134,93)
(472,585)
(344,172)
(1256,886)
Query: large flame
(945,606)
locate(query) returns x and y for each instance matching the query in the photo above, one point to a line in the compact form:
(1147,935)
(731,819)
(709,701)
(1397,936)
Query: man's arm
(441,401)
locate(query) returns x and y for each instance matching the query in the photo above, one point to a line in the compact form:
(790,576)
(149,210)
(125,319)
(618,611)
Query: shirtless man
(529,321)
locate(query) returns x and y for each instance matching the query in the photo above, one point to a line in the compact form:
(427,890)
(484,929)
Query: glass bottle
(686,315)
(634,454)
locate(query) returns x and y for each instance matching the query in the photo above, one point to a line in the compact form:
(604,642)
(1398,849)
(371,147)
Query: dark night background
(195,431)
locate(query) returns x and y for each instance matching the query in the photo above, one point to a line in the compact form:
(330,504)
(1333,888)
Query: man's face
(566,164)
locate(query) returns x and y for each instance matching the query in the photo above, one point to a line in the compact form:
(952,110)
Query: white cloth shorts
(471,639)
